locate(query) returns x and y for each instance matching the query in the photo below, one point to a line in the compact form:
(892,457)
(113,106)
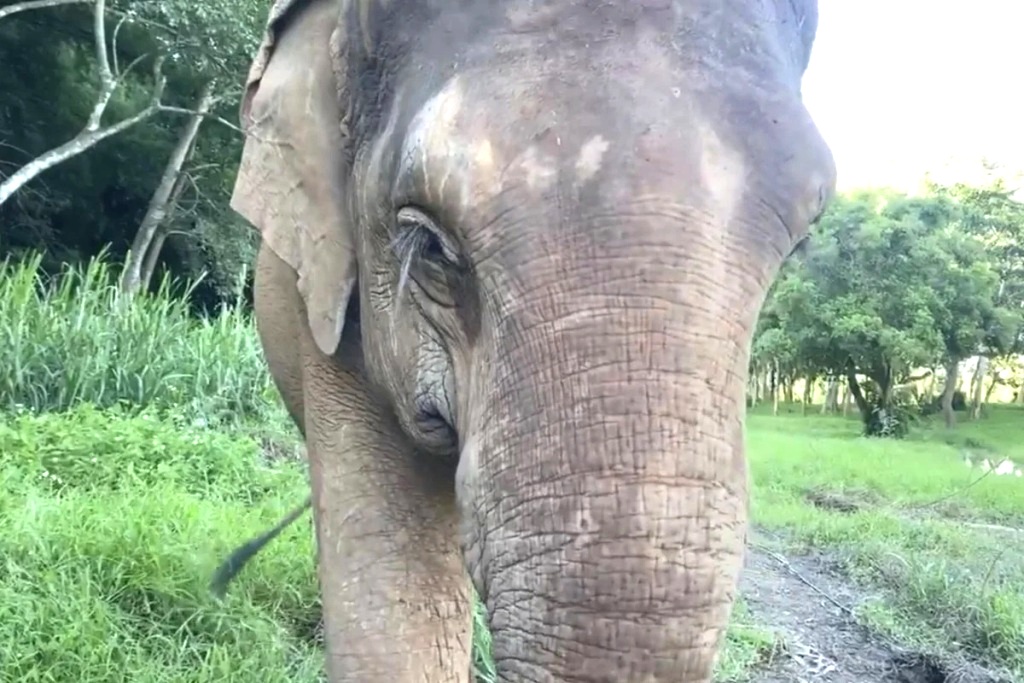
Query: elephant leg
(395,594)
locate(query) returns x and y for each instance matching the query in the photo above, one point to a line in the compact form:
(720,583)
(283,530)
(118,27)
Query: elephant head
(513,256)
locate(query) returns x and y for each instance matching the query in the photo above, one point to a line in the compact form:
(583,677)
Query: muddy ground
(808,605)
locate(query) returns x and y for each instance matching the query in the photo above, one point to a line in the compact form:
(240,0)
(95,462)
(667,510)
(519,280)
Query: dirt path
(822,641)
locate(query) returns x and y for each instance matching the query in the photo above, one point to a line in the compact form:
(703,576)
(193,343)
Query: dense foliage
(97,198)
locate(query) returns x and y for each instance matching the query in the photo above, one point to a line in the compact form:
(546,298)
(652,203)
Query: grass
(114,522)
(113,525)
(911,527)
(75,337)
(133,444)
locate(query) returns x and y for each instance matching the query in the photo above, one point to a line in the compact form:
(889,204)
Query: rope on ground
(803,579)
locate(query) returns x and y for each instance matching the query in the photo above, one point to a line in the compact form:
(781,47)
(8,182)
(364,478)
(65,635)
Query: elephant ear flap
(290,182)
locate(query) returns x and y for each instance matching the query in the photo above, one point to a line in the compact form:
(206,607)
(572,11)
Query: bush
(891,418)
(75,338)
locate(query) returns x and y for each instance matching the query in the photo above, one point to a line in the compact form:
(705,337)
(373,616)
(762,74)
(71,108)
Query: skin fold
(512,257)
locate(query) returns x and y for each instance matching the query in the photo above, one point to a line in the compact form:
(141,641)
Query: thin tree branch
(212,117)
(107,81)
(89,136)
(99,28)
(113,43)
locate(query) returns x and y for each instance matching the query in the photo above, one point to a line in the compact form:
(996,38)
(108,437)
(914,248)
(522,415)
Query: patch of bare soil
(809,605)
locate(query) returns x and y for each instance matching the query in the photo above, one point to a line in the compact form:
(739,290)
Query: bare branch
(201,167)
(113,43)
(128,69)
(142,21)
(206,115)
(88,137)
(93,131)
(107,82)
(99,29)
(8,10)
(72,147)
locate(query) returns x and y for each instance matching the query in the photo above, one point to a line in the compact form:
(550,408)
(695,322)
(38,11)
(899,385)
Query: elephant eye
(419,238)
(426,257)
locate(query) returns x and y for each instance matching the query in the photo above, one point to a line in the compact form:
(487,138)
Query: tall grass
(75,338)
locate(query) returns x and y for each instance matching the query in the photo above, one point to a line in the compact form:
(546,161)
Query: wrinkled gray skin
(513,255)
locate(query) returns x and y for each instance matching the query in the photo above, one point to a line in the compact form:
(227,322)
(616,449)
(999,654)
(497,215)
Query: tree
(212,43)
(102,198)
(164,200)
(889,283)
(992,213)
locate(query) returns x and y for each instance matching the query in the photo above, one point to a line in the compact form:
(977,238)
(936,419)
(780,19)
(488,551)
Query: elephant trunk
(605,492)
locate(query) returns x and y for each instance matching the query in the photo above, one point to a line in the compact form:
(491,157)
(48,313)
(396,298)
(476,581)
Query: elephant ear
(291,180)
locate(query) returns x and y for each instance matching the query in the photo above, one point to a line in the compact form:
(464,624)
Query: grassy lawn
(909,520)
(113,525)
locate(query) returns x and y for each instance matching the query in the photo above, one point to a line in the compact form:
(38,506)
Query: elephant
(512,253)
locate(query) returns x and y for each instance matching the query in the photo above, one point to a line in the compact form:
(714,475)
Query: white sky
(900,87)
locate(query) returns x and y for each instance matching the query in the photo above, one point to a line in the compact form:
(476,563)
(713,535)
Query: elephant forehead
(454,142)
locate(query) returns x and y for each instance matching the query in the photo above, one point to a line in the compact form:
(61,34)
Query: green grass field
(115,516)
(113,524)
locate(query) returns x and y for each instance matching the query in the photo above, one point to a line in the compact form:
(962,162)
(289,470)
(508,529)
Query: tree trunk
(996,381)
(883,378)
(948,389)
(855,390)
(831,403)
(153,258)
(160,202)
(808,393)
(885,384)
(978,384)
(931,384)
(787,388)
(775,389)
(155,249)
(858,395)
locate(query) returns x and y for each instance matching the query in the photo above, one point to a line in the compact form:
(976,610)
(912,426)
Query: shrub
(890,417)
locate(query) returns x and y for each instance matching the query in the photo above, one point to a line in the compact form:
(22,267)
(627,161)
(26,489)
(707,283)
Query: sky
(901,87)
